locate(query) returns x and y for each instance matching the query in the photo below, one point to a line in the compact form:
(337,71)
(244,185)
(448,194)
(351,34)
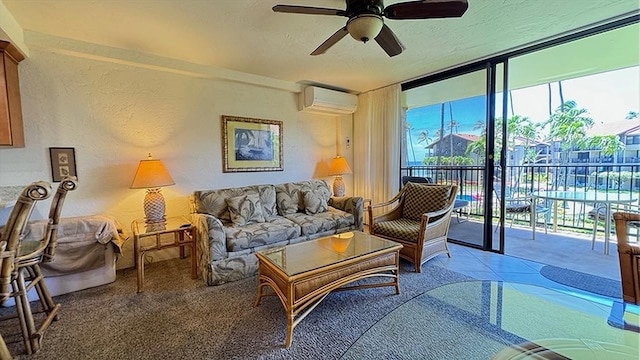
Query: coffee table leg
(259,294)
(290,325)
(397,284)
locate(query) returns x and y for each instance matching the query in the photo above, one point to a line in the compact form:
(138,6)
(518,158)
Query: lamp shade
(339,166)
(365,27)
(151,173)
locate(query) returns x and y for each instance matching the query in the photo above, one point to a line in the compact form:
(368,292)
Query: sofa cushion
(314,202)
(245,209)
(287,198)
(213,202)
(333,219)
(423,198)
(273,230)
(290,197)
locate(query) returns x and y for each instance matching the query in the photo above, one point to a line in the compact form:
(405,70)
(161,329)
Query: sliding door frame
(490,66)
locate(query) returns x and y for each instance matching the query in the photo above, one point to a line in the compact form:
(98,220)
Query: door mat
(579,280)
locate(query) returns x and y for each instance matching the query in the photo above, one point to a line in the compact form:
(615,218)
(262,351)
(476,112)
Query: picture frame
(63,162)
(251,145)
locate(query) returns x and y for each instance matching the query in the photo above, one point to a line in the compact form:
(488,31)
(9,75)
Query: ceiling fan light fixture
(365,27)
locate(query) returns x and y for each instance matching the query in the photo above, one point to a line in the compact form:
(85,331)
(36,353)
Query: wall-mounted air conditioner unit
(321,100)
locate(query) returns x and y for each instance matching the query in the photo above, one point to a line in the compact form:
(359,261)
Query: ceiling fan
(366,19)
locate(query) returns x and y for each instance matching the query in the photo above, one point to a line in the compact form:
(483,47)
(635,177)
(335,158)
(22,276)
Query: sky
(608,97)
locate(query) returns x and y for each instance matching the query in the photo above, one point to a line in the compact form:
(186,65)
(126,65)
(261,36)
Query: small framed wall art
(251,144)
(63,162)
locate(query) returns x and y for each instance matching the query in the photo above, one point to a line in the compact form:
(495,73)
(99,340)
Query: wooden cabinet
(11,131)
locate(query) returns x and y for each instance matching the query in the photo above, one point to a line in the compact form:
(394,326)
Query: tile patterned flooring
(484,265)
(562,249)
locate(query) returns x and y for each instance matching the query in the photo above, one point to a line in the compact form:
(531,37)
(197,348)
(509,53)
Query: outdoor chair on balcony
(628,226)
(516,206)
(419,221)
(599,213)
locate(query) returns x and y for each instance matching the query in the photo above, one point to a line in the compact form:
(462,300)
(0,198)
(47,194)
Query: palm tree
(441,131)
(423,137)
(480,125)
(569,125)
(452,125)
(560,94)
(408,128)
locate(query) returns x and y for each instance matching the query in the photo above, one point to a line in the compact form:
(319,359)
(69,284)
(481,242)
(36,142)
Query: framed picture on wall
(63,162)
(251,144)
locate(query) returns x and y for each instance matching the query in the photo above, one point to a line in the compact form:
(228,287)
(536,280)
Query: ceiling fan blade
(337,36)
(389,42)
(308,10)
(426,9)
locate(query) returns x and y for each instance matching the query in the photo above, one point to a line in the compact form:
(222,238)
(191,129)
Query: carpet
(582,281)
(180,318)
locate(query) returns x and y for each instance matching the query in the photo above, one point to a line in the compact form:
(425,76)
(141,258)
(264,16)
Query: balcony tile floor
(523,254)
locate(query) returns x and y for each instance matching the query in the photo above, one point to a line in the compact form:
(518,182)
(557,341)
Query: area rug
(587,282)
(180,318)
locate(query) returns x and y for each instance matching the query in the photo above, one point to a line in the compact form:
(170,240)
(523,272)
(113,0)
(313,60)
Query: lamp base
(154,207)
(339,188)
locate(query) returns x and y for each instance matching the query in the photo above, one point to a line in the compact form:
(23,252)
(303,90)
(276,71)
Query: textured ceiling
(246,36)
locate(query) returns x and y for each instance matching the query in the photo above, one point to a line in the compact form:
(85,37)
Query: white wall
(114,113)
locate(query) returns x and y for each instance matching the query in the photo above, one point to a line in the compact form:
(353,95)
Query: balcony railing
(523,180)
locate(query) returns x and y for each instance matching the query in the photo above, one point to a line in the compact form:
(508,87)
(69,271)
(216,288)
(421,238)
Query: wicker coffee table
(303,274)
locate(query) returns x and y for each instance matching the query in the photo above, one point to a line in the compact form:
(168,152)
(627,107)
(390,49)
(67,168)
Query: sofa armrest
(351,204)
(212,242)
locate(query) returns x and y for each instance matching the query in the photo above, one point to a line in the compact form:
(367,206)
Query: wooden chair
(628,225)
(10,238)
(420,221)
(30,255)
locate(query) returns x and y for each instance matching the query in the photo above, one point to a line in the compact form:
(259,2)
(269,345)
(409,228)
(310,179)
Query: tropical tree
(569,124)
(408,128)
(453,124)
(480,125)
(441,131)
(607,144)
(423,137)
(518,127)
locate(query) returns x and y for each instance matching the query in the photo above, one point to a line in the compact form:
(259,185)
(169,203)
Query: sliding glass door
(560,115)
(446,142)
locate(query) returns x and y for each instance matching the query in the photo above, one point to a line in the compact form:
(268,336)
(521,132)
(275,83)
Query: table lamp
(152,175)
(339,167)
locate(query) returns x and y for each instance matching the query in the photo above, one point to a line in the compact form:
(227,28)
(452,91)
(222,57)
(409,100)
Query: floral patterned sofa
(234,223)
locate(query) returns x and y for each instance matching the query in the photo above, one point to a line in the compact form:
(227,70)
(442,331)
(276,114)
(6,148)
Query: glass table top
(501,320)
(309,255)
(590,196)
(139,227)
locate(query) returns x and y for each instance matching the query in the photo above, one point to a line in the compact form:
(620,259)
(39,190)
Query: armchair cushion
(314,202)
(423,199)
(402,228)
(245,209)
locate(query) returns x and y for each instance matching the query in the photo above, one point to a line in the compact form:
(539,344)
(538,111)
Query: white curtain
(376,146)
